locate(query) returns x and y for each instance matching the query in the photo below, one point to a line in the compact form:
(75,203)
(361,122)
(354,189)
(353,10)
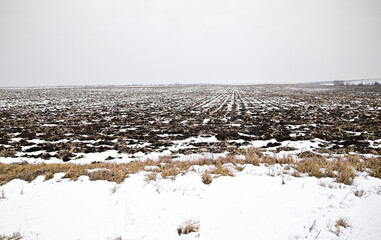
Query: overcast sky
(76,42)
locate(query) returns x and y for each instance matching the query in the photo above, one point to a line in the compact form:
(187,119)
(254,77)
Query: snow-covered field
(253,204)
(166,124)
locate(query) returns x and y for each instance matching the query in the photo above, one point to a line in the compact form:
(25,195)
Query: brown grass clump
(14,236)
(114,173)
(252,156)
(65,155)
(207,178)
(188,227)
(168,171)
(311,155)
(296,174)
(151,177)
(76,171)
(345,174)
(341,222)
(165,159)
(222,171)
(7,153)
(269,160)
(359,193)
(329,172)
(310,167)
(100,175)
(2,194)
(374,164)
(286,159)
(239,168)
(354,159)
(48,175)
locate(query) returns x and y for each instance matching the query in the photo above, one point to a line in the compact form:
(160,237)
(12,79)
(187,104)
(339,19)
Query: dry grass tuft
(295,174)
(2,194)
(310,167)
(151,177)
(168,171)
(74,172)
(374,164)
(207,178)
(345,174)
(329,172)
(286,159)
(14,236)
(188,227)
(48,175)
(354,159)
(252,156)
(7,153)
(342,222)
(65,155)
(269,160)
(165,159)
(222,171)
(239,168)
(311,155)
(100,175)
(359,193)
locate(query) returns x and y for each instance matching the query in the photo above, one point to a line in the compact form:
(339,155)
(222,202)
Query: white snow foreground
(250,205)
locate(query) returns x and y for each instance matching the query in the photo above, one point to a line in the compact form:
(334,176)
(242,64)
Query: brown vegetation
(188,227)
(207,178)
(342,169)
(14,236)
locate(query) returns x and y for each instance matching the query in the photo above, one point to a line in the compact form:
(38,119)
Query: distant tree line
(343,83)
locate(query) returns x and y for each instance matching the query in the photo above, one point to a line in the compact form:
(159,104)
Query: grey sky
(66,42)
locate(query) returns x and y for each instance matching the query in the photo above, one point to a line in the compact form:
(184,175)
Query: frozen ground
(71,124)
(254,204)
(120,125)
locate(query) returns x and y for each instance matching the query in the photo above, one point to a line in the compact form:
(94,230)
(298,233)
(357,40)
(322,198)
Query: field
(191,162)
(130,122)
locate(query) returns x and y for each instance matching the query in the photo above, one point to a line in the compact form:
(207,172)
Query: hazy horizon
(124,42)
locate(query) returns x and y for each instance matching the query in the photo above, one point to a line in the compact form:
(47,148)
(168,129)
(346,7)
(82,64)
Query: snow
(250,205)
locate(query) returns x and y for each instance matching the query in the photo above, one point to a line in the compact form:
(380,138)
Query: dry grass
(151,177)
(354,159)
(295,174)
(14,236)
(341,169)
(252,156)
(359,193)
(2,194)
(207,178)
(165,159)
(65,155)
(188,227)
(222,171)
(286,159)
(341,222)
(48,175)
(311,155)
(311,167)
(7,153)
(169,171)
(374,166)
(345,174)
(239,168)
